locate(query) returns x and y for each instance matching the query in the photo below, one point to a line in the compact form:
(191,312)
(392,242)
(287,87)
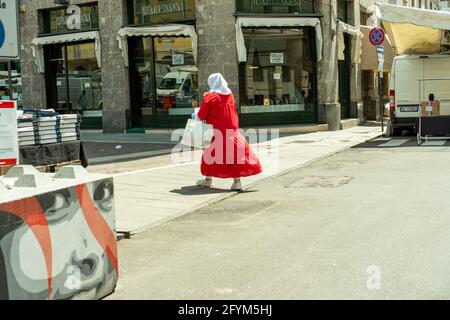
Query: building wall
(217,50)
(216,53)
(115,93)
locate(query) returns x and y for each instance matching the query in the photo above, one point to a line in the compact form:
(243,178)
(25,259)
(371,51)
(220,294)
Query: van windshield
(170,84)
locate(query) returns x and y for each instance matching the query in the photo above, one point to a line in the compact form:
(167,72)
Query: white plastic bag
(197,134)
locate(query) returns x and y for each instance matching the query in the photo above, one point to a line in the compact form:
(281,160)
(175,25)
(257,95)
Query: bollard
(57,235)
(333,113)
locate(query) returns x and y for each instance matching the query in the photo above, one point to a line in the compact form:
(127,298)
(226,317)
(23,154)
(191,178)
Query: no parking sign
(376,36)
(9,31)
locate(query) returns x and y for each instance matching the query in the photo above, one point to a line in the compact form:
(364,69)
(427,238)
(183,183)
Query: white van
(404,88)
(179,84)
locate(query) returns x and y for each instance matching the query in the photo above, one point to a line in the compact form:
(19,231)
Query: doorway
(344,79)
(73,78)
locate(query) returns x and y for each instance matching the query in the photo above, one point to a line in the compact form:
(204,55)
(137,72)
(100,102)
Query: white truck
(404,88)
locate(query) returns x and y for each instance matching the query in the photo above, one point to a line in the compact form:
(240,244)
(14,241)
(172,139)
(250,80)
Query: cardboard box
(436,108)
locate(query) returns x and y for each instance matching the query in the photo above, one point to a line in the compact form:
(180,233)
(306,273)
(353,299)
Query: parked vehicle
(404,88)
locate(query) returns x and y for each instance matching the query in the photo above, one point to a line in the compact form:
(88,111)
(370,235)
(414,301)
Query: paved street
(373,216)
(151,196)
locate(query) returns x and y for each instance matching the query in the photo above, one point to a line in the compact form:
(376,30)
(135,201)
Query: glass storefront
(164,81)
(277,83)
(275,6)
(162,66)
(74,81)
(11,90)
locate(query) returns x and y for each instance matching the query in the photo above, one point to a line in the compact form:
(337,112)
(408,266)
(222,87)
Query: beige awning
(413,30)
(276,23)
(156,31)
(369,59)
(357,37)
(37,45)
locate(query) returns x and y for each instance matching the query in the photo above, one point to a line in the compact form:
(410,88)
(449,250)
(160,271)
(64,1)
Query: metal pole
(10,80)
(380,91)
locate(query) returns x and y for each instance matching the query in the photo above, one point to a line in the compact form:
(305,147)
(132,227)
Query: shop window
(342,10)
(143,12)
(74,79)
(165,77)
(275,6)
(11,82)
(282,59)
(72,18)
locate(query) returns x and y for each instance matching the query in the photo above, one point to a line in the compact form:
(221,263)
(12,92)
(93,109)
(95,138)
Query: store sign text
(280,3)
(164,8)
(74,20)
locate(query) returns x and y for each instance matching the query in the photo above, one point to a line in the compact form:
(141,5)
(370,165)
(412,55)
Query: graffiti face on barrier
(59,245)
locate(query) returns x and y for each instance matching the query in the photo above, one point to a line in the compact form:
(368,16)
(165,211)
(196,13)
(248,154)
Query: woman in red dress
(229,155)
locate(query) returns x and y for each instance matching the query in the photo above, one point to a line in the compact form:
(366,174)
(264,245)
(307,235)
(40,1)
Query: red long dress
(229,155)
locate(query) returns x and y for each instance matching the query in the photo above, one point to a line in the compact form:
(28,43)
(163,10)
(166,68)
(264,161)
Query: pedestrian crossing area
(399,142)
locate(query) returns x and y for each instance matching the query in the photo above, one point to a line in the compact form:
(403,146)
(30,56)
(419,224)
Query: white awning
(156,31)
(37,45)
(357,37)
(369,60)
(276,23)
(413,30)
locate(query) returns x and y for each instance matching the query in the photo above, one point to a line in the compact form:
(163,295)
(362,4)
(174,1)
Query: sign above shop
(280,3)
(163,8)
(9,32)
(153,11)
(71,18)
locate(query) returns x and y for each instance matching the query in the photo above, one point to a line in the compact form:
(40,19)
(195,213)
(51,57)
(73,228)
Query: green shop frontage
(155,49)
(68,52)
(278,43)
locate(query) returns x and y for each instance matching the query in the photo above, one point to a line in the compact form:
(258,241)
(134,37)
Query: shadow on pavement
(196,190)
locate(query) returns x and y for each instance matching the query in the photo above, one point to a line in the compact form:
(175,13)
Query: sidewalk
(151,197)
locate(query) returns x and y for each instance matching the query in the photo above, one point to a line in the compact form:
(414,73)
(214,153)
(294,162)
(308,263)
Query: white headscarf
(218,84)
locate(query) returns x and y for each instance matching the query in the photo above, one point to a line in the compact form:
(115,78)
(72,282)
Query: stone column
(217,50)
(356,104)
(33,83)
(116,96)
(328,76)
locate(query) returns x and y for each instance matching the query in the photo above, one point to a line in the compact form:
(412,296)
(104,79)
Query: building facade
(127,64)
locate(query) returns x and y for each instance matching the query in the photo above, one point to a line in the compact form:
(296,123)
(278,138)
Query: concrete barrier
(57,235)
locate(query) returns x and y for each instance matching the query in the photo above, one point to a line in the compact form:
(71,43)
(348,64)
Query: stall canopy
(277,23)
(37,45)
(176,30)
(357,37)
(370,60)
(412,30)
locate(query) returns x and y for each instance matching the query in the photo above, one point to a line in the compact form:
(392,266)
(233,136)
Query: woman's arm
(204,108)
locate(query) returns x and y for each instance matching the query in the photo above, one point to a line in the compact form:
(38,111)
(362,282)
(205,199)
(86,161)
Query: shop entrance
(344,79)
(73,79)
(163,81)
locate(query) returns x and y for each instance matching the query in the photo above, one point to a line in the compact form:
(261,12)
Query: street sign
(9,31)
(9,145)
(376,36)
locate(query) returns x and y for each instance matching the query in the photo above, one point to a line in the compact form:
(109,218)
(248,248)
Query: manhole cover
(320,182)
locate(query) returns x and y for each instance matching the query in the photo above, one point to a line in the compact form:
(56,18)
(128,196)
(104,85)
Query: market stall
(47,139)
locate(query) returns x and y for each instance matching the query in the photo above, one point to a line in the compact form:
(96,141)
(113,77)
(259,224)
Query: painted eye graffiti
(104,195)
(57,205)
